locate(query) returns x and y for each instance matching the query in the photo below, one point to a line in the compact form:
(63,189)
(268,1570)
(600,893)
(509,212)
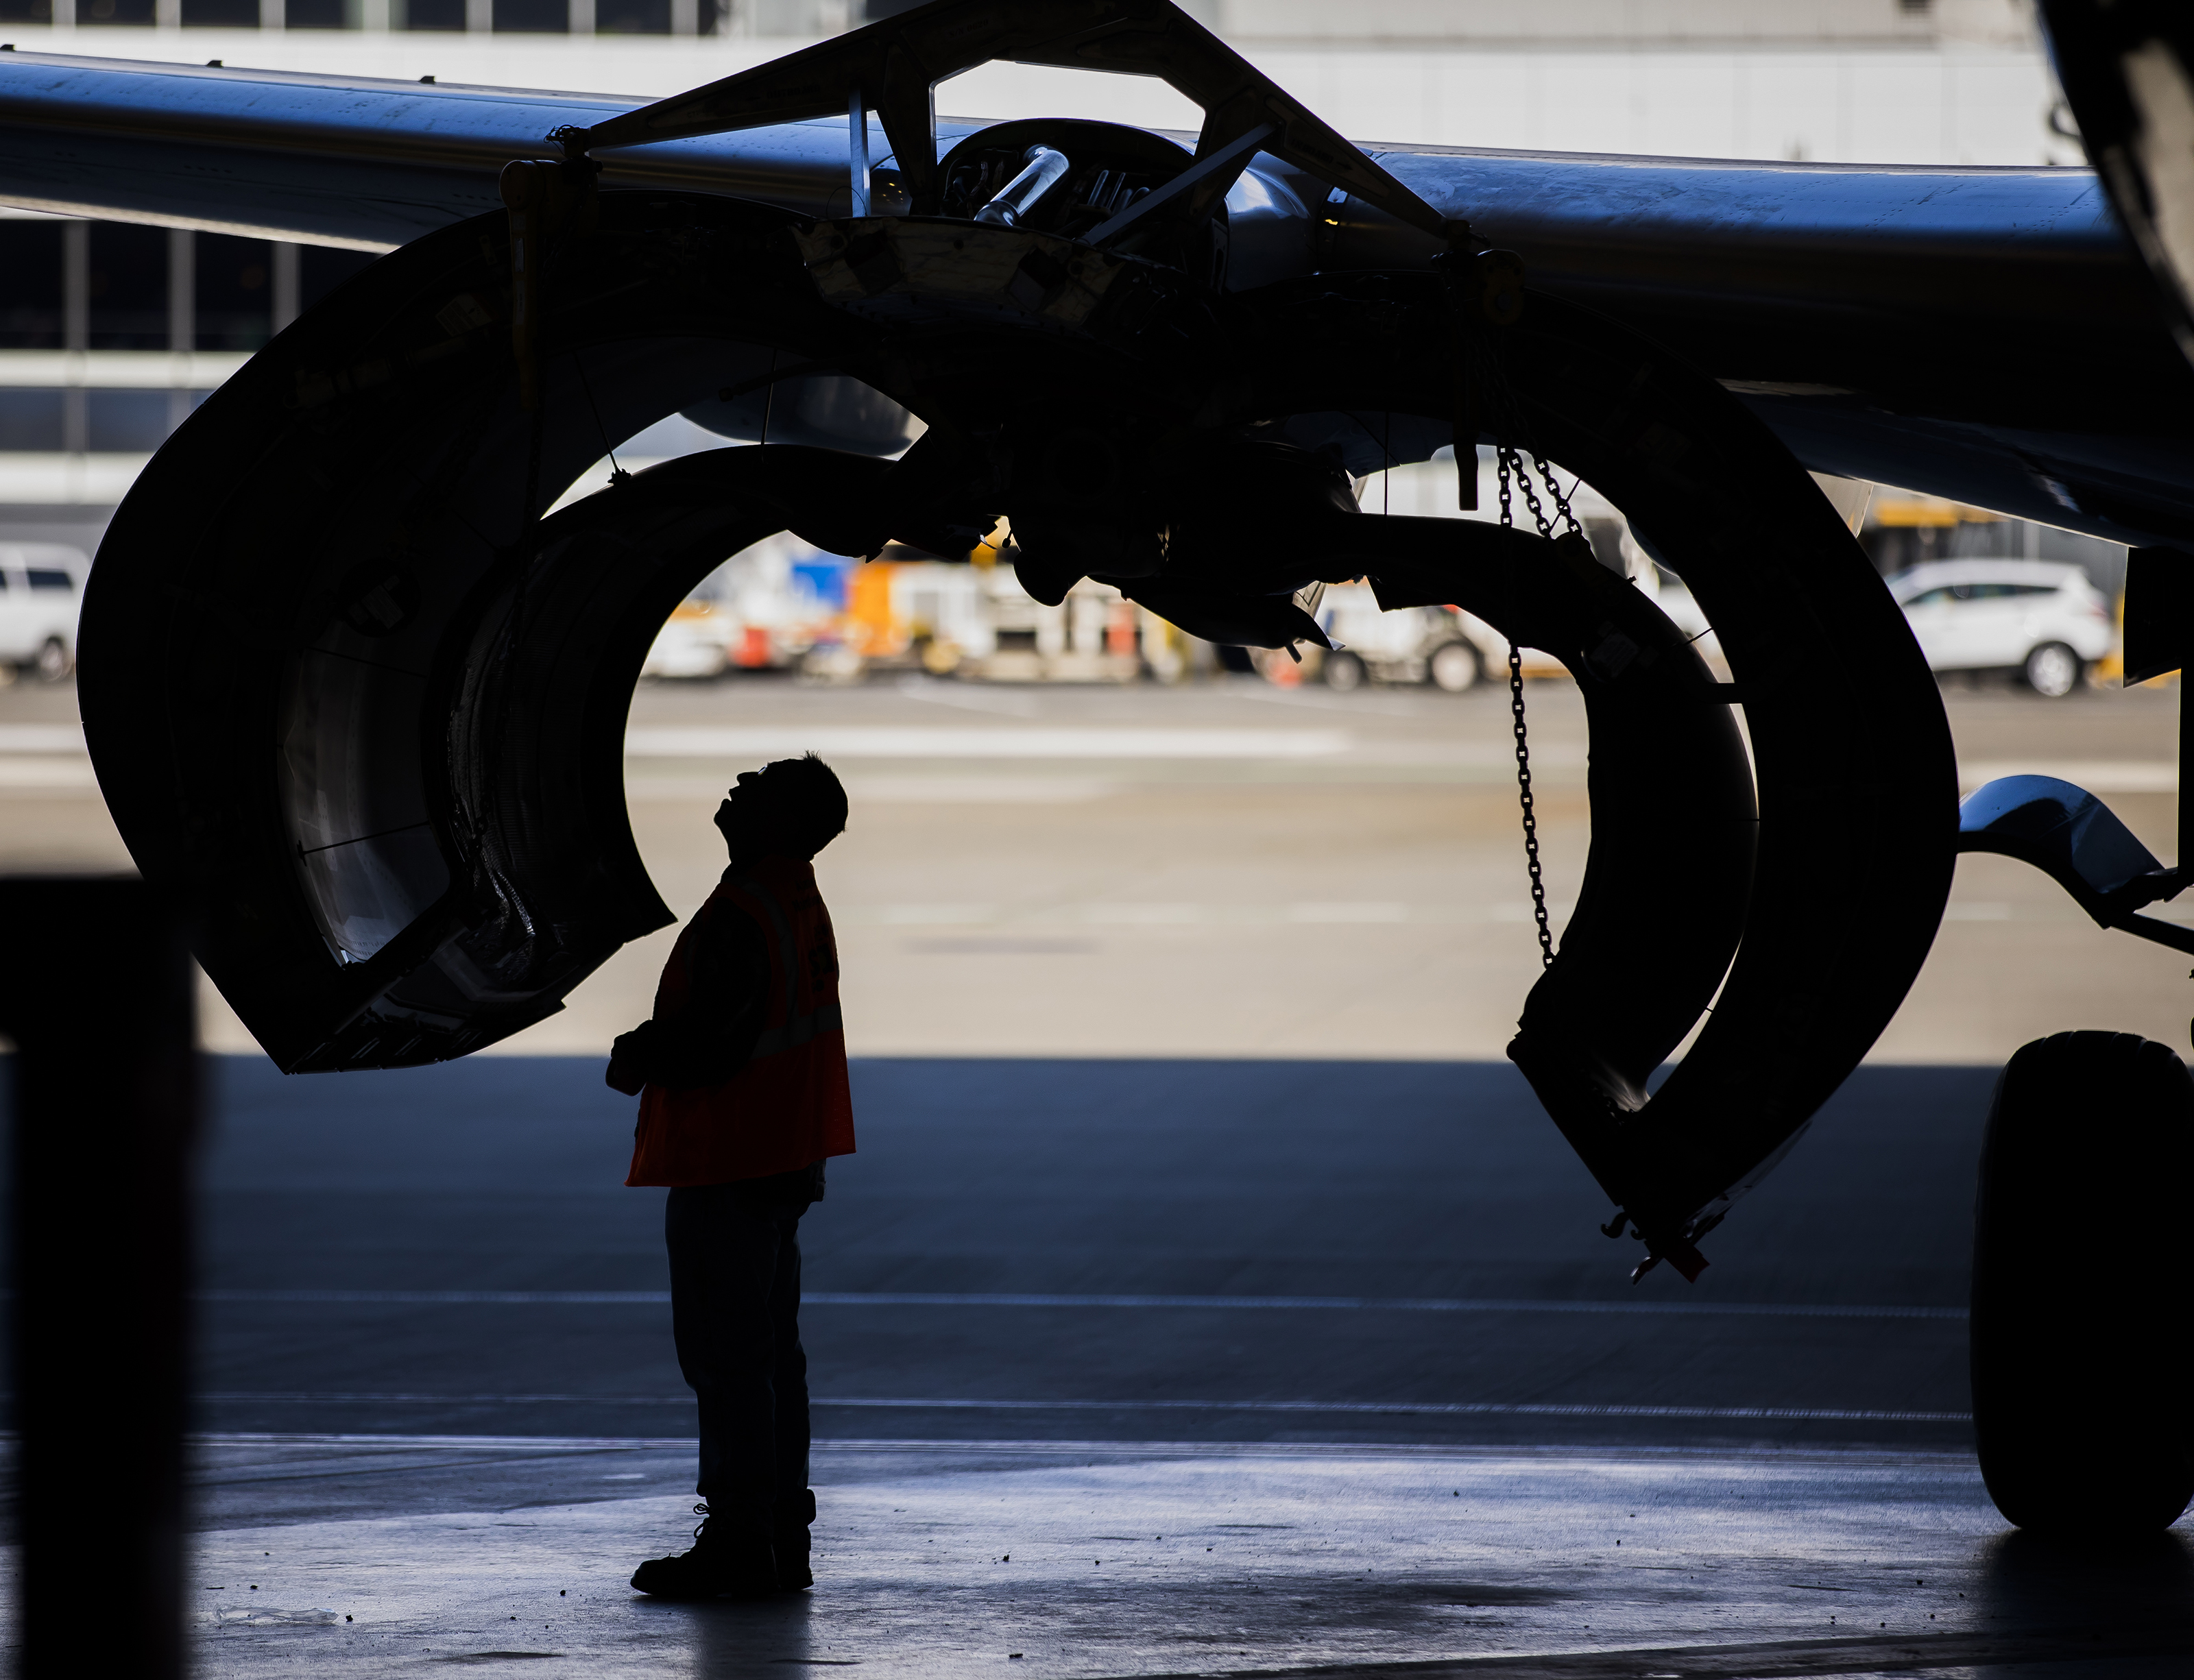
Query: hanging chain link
(1506,460)
(1561,502)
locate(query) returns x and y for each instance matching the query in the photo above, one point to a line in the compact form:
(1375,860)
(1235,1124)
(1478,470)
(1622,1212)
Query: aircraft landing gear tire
(2080,1410)
(1343,672)
(2052,670)
(1455,668)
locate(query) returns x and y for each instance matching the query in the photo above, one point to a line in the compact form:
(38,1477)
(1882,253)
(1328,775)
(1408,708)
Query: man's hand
(627,1056)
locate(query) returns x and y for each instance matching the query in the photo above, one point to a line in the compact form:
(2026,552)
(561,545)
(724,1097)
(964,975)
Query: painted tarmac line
(1036,741)
(1225,1303)
(1367,1408)
(1016,1446)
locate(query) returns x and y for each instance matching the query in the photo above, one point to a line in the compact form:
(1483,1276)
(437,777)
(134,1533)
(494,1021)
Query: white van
(40,593)
(1451,648)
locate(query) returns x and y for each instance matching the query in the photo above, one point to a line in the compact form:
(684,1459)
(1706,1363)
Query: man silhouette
(741,1076)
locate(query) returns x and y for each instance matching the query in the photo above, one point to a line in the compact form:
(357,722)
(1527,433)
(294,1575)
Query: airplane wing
(1986,335)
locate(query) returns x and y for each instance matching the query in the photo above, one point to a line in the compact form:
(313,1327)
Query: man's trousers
(735,1311)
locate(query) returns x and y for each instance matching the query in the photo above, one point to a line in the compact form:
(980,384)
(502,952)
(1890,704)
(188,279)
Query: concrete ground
(1194,1209)
(1099,1559)
(1131,1367)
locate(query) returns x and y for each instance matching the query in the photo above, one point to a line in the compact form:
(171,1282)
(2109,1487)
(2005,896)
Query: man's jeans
(735,1311)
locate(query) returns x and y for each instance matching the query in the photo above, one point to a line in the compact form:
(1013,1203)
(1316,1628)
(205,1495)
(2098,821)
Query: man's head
(792,808)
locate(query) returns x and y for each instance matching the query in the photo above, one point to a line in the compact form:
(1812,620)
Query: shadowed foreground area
(1126,1367)
(1107,1559)
(1128,1250)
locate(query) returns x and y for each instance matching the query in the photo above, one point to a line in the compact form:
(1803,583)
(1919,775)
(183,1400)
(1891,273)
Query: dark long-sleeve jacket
(711,1038)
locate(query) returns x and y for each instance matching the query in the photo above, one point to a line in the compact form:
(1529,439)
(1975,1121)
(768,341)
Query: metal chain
(1561,502)
(1503,457)
(1530,496)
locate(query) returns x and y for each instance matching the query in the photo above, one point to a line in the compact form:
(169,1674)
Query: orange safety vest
(790,1106)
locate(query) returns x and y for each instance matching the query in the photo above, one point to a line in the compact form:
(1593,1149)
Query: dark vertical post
(2157,626)
(97,996)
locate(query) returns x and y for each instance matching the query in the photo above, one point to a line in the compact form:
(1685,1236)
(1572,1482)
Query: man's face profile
(751,816)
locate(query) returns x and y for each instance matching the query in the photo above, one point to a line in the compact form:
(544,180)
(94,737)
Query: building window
(317,14)
(30,420)
(139,289)
(30,285)
(320,269)
(632,17)
(234,281)
(129,287)
(128,422)
(136,13)
(532,17)
(220,13)
(434,15)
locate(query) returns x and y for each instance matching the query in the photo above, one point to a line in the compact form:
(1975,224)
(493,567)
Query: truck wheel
(2080,1406)
(54,661)
(1344,673)
(1455,667)
(2052,670)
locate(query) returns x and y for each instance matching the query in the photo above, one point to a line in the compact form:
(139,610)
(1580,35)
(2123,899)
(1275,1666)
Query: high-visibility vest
(790,1106)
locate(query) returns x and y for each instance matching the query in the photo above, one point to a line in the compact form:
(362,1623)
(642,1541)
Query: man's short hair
(814,800)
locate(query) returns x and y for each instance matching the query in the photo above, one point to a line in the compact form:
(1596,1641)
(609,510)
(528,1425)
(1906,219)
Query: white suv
(2045,622)
(40,593)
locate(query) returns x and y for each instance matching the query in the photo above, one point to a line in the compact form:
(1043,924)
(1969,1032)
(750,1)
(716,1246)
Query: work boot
(790,1542)
(724,1563)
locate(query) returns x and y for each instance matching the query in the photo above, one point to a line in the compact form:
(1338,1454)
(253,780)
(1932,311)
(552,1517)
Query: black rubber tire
(2083,1414)
(1344,673)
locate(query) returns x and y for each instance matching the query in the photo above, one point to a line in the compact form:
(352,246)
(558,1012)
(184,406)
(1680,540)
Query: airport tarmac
(1131,1367)
(1193,1197)
(1098,1558)
(1215,1250)
(1229,868)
